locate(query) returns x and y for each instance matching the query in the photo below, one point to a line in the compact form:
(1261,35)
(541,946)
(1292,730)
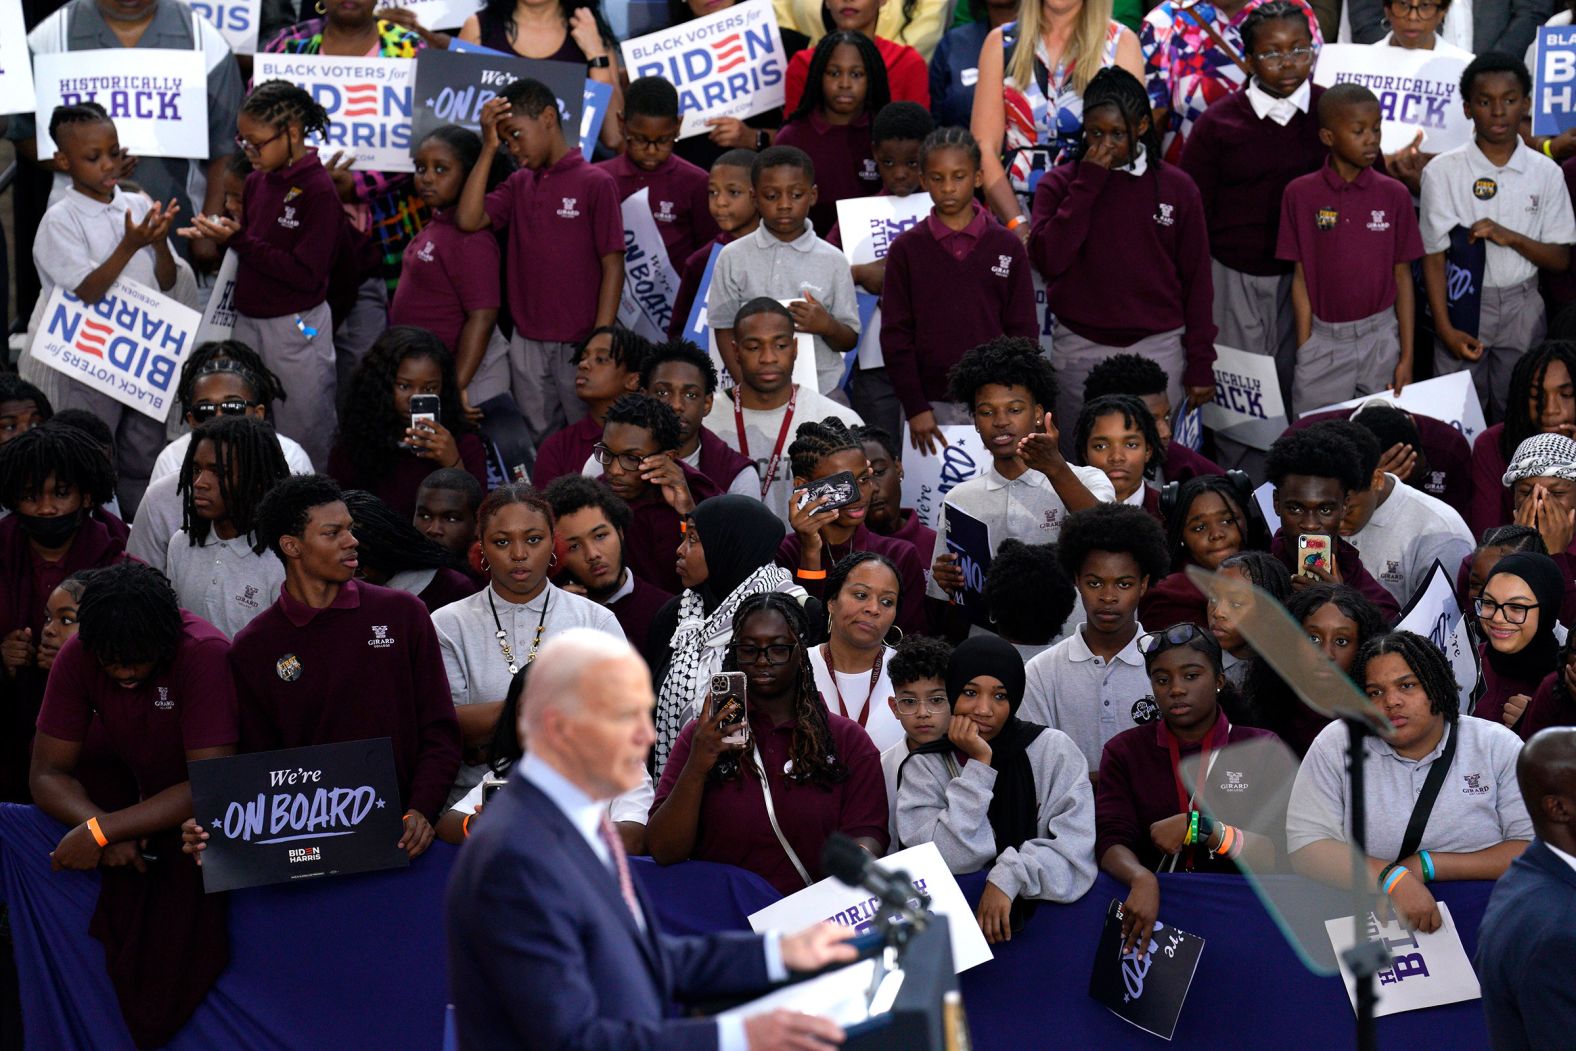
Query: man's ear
(631,382)
(290,545)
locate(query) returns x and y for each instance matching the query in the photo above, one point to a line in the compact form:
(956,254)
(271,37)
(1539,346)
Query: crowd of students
(314,556)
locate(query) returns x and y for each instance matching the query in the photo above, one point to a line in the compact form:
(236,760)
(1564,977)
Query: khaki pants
(305,367)
(1346,360)
(1512,322)
(1075,357)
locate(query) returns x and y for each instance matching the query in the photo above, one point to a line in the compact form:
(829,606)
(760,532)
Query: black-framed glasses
(1405,7)
(1281,58)
(245,145)
(641,142)
(911,705)
(747,653)
(207,410)
(1152,642)
(1515,612)
(605,456)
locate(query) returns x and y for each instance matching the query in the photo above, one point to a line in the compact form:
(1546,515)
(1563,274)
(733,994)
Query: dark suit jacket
(1525,946)
(543,952)
(1497,25)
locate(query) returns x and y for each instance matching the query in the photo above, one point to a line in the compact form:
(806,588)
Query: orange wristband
(1017,221)
(465,826)
(98,833)
(810,574)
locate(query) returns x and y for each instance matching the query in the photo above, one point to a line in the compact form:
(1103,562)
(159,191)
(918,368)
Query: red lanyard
(782,437)
(875,677)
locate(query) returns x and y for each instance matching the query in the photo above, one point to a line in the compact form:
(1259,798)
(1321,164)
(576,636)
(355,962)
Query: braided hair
(513,493)
(248,462)
(389,544)
(1116,87)
(71,456)
(811,751)
(229,356)
(1274,11)
(952,138)
(878,91)
(1264,571)
(1524,407)
(1427,662)
(281,103)
(370,428)
(814,441)
(81,113)
(129,616)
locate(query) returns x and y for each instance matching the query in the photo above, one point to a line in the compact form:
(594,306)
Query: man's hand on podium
(815,947)
(784,1030)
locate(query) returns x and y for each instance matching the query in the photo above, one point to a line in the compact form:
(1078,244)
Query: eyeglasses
(641,142)
(1152,642)
(910,705)
(628,461)
(207,410)
(1402,7)
(1281,58)
(247,146)
(747,653)
(1515,612)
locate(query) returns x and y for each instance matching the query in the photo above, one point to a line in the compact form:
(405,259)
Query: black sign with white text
(298,813)
(1149,991)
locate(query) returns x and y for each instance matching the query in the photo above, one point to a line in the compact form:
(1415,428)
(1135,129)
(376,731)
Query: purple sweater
(934,307)
(1125,257)
(1242,166)
(290,224)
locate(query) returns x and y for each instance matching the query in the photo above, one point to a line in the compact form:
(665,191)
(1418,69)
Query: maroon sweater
(566,451)
(1173,600)
(1183,463)
(934,307)
(1351,569)
(367,666)
(1545,710)
(844,166)
(1242,166)
(677,196)
(651,543)
(290,225)
(636,610)
(406,471)
(910,571)
(1125,257)
(1497,689)
(1493,504)
(916,532)
(720,461)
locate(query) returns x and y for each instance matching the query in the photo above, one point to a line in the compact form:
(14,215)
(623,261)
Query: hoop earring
(552,560)
(889,635)
(322,8)
(486,567)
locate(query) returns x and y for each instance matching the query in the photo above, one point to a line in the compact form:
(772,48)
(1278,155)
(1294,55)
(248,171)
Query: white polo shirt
(1527,195)
(1024,508)
(1087,697)
(1406,534)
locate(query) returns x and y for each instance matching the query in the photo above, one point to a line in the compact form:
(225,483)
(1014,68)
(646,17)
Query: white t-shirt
(880,724)
(761,427)
(174,454)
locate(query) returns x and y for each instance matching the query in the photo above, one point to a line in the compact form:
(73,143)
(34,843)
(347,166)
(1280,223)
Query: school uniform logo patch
(868,171)
(1435,486)
(1377,222)
(248,596)
(288,667)
(380,637)
(1532,202)
(665,212)
(164,703)
(1474,785)
(1166,216)
(1145,710)
(1234,782)
(424,253)
(1003,267)
(1485,189)
(289,220)
(568,211)
(1326,218)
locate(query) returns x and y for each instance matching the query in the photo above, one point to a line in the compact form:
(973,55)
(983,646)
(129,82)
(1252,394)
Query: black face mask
(50,531)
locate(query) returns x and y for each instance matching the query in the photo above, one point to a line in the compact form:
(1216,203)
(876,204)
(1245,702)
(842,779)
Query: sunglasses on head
(1153,642)
(204,411)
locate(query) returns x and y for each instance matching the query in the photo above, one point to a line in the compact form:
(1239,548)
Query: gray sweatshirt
(1057,865)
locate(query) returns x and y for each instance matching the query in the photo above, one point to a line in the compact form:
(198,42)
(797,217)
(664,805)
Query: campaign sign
(594,102)
(368,101)
(452,88)
(1147,991)
(298,813)
(1425,970)
(1554,80)
(1417,90)
(218,320)
(129,345)
(697,327)
(730,64)
(646,305)
(928,479)
(1449,398)
(868,226)
(1247,405)
(969,539)
(1435,614)
(158,98)
(16,68)
(436,14)
(833,901)
(236,20)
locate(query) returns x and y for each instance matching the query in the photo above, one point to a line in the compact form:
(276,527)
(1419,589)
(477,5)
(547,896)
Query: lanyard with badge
(1209,751)
(775,462)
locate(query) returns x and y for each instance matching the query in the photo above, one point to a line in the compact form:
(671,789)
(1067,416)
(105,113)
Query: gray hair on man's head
(559,672)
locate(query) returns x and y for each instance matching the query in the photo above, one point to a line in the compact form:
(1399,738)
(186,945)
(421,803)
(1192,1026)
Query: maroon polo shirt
(1493,502)
(1348,236)
(1351,569)
(1242,165)
(566,451)
(1183,463)
(367,665)
(910,570)
(651,543)
(290,223)
(1173,600)
(732,827)
(844,166)
(947,292)
(1125,257)
(187,703)
(560,221)
(1137,788)
(446,275)
(398,486)
(636,610)
(690,274)
(721,462)
(1449,474)
(678,198)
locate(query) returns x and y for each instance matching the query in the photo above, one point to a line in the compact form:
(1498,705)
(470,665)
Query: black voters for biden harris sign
(298,813)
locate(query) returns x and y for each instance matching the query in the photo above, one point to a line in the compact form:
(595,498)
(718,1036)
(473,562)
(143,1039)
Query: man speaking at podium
(550,944)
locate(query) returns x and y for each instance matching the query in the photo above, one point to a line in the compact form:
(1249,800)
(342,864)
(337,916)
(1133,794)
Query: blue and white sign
(368,102)
(1417,91)
(928,478)
(868,226)
(158,98)
(1554,80)
(1435,614)
(730,64)
(236,20)
(650,283)
(16,69)
(597,98)
(1425,970)
(129,345)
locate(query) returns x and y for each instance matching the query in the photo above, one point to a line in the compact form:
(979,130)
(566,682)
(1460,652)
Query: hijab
(1541,655)
(740,535)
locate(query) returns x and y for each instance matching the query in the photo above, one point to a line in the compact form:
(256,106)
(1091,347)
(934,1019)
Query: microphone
(849,863)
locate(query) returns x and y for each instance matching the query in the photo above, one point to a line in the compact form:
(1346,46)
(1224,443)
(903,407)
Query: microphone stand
(1367,957)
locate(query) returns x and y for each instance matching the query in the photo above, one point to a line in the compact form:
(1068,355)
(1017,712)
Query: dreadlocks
(248,462)
(1527,400)
(66,454)
(1427,662)
(232,357)
(389,543)
(811,752)
(129,616)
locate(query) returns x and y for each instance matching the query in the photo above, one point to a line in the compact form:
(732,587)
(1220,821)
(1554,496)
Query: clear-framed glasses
(911,705)
(1282,58)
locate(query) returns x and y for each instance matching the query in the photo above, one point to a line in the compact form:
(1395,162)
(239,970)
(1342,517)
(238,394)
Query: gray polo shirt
(224,582)
(758,264)
(1086,697)
(1406,534)
(1479,804)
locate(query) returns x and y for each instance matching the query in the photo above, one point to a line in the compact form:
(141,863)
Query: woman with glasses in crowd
(1173,796)
(777,749)
(1518,613)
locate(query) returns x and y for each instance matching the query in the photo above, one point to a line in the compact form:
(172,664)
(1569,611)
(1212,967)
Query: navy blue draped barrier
(358,962)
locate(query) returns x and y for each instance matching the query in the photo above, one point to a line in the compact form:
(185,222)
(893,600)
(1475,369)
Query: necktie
(626,885)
